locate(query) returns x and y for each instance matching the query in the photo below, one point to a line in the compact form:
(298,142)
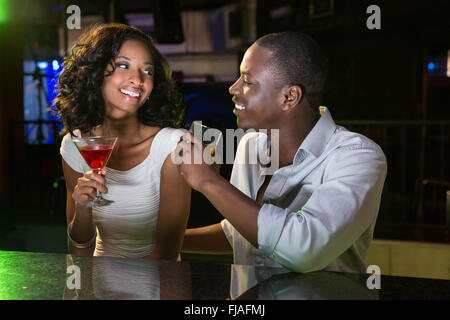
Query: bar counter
(49,276)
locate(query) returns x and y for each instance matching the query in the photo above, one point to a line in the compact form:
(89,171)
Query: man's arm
(208,240)
(240,210)
(337,213)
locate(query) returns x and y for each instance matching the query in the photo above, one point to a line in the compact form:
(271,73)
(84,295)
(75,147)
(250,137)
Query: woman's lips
(131,94)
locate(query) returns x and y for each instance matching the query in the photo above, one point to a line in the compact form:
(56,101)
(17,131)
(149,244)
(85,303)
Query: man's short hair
(297,60)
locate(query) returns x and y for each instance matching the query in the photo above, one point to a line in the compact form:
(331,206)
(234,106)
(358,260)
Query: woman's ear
(292,96)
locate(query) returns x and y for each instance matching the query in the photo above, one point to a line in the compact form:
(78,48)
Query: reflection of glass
(96,152)
(210,137)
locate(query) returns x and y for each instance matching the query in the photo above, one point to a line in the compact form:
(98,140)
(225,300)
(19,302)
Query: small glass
(210,137)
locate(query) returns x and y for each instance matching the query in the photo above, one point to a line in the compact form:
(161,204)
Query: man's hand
(189,156)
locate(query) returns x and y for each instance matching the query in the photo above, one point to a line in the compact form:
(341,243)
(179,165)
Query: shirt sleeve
(332,219)
(227,230)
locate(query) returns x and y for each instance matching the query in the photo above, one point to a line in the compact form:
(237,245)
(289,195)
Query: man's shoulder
(343,139)
(351,153)
(347,147)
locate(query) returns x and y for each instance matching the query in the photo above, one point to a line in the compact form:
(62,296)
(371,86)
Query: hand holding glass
(208,136)
(96,152)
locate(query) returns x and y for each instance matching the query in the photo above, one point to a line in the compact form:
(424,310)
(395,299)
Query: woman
(116,83)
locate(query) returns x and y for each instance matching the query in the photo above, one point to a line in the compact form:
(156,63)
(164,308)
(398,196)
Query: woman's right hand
(86,188)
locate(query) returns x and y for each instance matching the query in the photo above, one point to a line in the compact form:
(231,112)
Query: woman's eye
(122,65)
(150,72)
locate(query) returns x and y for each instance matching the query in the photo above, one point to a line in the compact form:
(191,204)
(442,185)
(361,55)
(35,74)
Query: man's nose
(234,88)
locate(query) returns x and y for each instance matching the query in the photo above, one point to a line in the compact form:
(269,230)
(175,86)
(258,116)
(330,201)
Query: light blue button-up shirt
(318,213)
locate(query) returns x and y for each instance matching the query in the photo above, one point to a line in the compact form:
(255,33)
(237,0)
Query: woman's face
(127,89)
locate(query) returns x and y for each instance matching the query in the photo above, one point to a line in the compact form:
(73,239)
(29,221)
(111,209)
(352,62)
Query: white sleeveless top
(127,227)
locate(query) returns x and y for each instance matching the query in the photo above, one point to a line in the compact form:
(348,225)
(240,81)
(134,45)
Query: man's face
(255,94)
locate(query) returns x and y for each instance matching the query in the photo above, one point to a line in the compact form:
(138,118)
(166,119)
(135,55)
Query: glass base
(100,202)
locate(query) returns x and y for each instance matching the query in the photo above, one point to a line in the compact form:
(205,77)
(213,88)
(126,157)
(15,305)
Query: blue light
(431,66)
(55,65)
(42,65)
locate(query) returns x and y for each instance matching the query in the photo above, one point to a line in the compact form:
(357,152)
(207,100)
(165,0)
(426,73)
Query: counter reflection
(129,279)
(262,283)
(141,279)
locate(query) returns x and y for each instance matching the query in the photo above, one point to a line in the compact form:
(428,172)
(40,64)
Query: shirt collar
(318,137)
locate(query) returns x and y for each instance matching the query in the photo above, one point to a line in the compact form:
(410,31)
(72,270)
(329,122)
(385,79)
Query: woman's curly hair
(79,100)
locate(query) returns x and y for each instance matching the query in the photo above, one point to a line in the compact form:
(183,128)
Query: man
(318,210)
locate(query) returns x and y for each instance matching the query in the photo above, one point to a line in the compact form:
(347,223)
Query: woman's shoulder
(172,133)
(70,153)
(66,141)
(166,141)
(169,137)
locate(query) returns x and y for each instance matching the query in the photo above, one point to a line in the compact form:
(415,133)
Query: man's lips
(239,107)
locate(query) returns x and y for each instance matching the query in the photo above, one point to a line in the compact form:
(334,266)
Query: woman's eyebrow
(128,59)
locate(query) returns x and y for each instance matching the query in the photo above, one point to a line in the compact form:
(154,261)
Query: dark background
(381,84)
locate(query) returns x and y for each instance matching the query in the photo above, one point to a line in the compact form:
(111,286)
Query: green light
(237,118)
(55,185)
(3,11)
(32,275)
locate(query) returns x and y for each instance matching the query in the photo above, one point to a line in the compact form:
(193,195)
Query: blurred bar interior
(391,84)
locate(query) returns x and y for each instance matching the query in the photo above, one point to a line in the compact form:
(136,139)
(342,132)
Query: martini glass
(96,152)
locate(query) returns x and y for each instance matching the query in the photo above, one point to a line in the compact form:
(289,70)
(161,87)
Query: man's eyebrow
(128,59)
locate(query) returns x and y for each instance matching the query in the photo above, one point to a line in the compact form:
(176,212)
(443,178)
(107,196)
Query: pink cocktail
(96,152)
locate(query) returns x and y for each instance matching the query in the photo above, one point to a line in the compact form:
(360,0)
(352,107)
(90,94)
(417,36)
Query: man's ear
(292,96)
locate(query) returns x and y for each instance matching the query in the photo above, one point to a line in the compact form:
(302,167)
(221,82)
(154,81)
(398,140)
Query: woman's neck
(129,131)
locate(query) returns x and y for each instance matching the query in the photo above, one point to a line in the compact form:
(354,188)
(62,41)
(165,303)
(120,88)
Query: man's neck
(292,135)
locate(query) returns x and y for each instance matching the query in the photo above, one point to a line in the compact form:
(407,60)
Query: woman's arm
(174,207)
(79,217)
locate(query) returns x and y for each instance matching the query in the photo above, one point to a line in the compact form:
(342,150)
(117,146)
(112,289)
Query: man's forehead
(255,58)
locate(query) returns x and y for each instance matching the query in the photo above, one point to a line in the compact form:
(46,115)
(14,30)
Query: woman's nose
(136,77)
